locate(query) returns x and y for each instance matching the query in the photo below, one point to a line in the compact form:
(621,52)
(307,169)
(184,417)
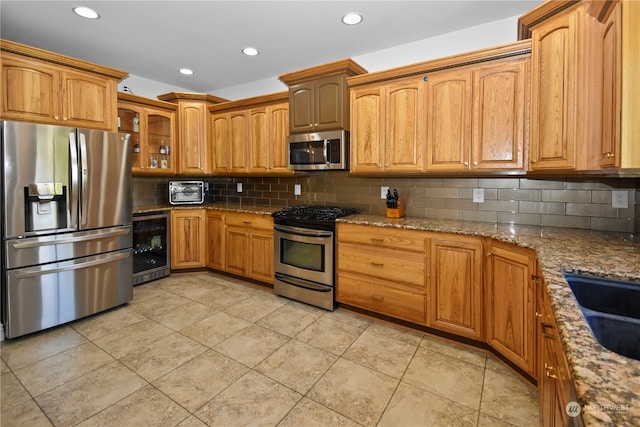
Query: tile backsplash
(566,203)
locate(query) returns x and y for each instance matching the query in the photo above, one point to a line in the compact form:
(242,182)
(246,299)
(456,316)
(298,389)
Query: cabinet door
(160,131)
(239,126)
(221,156)
(499,114)
(259,137)
(404,108)
(188,238)
(215,240)
(555,52)
(131,118)
(329,94)
(301,104)
(236,254)
(367,129)
(193,136)
(510,304)
(449,107)
(278,129)
(30,90)
(88,101)
(455,285)
(611,62)
(261,255)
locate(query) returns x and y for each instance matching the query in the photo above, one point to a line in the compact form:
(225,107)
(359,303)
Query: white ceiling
(153,39)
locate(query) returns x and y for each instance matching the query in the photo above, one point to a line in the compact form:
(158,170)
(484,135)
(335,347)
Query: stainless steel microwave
(319,151)
(186,192)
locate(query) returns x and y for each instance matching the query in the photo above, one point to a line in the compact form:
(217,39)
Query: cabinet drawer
(373,295)
(263,222)
(387,264)
(408,240)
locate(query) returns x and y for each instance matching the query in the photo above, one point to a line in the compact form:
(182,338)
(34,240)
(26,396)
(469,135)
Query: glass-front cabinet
(151,124)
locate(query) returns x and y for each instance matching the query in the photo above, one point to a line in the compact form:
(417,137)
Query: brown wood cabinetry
(457,118)
(249,245)
(151,124)
(45,87)
(455,285)
(250,136)
(215,239)
(188,238)
(555,386)
(510,303)
(193,130)
(388,125)
(382,270)
(319,96)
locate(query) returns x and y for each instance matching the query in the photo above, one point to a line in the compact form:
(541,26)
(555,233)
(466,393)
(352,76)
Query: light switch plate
(297,189)
(619,199)
(478,195)
(239,187)
(383,192)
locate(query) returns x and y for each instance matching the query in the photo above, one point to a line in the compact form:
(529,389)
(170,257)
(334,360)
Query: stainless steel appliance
(66,226)
(319,151)
(150,247)
(304,248)
(186,192)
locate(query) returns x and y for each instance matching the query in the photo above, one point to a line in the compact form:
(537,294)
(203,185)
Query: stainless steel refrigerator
(66,224)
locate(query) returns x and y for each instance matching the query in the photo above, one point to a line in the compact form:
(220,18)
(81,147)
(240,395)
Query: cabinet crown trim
(256,101)
(344,66)
(140,100)
(191,96)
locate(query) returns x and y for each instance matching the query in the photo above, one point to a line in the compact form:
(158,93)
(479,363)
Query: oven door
(304,253)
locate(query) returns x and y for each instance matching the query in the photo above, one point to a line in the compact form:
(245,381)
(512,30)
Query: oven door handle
(303,283)
(302,231)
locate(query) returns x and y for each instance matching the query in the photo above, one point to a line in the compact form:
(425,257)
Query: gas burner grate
(314,213)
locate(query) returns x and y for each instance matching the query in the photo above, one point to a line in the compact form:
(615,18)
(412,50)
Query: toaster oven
(186,192)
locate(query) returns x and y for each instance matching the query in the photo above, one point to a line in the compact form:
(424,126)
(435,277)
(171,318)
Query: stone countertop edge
(229,207)
(607,384)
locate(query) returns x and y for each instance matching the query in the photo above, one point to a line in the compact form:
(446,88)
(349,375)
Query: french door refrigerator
(66,224)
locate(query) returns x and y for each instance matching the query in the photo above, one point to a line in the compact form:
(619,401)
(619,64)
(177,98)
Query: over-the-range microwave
(319,151)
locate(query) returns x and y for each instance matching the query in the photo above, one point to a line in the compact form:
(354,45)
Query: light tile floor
(202,349)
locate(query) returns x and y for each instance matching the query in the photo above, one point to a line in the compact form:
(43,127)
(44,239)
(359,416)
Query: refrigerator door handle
(97,236)
(73,183)
(84,200)
(41,271)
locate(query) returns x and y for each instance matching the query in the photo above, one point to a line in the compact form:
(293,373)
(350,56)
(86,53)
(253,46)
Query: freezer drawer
(48,295)
(60,247)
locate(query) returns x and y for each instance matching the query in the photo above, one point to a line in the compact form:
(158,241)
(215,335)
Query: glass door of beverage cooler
(150,247)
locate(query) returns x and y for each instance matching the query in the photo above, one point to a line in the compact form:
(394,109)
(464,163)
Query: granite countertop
(607,384)
(230,207)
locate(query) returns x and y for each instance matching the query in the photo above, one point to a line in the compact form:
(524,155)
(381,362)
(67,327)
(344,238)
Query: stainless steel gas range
(304,258)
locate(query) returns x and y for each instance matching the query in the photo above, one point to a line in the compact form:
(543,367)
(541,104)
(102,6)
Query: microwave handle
(327,142)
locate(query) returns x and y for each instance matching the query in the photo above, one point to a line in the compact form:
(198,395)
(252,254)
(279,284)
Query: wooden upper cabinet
(449,108)
(220,157)
(319,96)
(151,124)
(193,130)
(499,137)
(240,142)
(269,131)
(38,86)
(387,127)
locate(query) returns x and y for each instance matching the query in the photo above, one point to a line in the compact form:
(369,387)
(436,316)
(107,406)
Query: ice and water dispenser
(45,206)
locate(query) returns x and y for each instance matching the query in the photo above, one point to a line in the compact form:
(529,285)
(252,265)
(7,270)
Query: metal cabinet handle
(377,264)
(373,239)
(377,297)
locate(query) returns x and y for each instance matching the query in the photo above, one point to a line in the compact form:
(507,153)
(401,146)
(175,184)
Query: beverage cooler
(150,247)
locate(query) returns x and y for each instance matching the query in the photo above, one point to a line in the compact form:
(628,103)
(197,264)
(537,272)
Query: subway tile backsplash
(550,202)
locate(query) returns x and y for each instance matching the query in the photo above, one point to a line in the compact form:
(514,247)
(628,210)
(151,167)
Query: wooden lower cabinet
(188,238)
(555,386)
(215,240)
(455,285)
(510,304)
(382,270)
(249,246)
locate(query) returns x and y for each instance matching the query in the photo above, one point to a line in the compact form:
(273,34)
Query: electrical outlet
(297,189)
(239,187)
(478,195)
(619,199)
(383,192)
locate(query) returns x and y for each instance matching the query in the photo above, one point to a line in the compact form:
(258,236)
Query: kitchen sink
(612,310)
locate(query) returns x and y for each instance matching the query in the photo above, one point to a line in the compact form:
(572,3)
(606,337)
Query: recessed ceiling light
(352,19)
(250,51)
(85,12)
(186,71)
